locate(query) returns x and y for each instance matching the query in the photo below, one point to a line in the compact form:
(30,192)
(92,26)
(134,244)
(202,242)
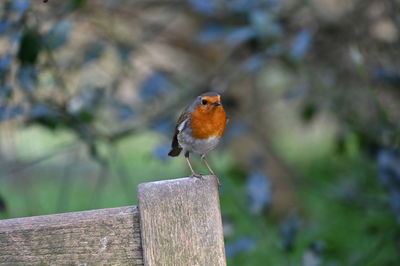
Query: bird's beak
(217,104)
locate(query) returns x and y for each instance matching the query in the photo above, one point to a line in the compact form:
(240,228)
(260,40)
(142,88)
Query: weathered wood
(180,225)
(181,222)
(99,237)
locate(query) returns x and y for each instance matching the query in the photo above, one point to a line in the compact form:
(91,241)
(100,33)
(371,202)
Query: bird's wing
(182,120)
(180,125)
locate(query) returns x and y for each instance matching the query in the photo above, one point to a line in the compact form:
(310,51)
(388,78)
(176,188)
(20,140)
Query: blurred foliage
(90,90)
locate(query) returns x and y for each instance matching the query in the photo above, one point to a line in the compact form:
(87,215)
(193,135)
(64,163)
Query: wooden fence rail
(177,222)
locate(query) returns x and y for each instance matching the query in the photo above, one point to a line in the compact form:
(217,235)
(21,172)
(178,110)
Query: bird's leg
(190,166)
(203,157)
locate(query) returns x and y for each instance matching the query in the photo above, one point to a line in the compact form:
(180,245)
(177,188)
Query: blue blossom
(258,191)
(243,244)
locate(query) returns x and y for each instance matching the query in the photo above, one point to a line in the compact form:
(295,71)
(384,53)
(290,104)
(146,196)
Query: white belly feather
(199,146)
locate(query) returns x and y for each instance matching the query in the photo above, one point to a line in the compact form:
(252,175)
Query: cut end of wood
(206,180)
(181,222)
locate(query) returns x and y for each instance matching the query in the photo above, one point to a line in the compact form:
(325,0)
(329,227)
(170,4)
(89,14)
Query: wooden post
(181,222)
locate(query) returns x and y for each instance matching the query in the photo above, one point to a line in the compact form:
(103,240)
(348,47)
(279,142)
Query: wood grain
(181,222)
(99,237)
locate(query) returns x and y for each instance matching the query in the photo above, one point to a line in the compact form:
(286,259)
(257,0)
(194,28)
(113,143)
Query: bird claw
(216,178)
(199,176)
(196,176)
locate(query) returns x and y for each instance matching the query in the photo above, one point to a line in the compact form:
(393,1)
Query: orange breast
(208,123)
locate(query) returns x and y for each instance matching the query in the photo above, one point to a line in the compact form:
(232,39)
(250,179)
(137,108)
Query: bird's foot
(199,176)
(194,175)
(216,178)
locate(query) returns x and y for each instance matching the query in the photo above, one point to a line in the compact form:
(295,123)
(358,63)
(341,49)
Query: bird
(199,129)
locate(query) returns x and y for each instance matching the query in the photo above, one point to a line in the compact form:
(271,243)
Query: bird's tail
(175,147)
(175,151)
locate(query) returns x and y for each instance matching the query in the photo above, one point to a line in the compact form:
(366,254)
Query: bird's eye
(204,102)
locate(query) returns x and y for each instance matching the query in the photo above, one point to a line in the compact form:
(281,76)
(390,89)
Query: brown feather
(175,147)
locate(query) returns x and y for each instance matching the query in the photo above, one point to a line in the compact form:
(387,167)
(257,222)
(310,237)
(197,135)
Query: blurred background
(310,165)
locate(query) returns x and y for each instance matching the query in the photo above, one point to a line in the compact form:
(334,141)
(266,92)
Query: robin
(199,129)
